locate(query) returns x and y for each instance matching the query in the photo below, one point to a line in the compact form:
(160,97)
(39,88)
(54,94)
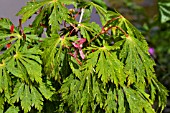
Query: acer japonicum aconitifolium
(64,62)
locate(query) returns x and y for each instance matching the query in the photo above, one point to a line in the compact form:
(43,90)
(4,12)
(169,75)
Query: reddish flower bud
(81,41)
(81,54)
(12,29)
(78,45)
(8,45)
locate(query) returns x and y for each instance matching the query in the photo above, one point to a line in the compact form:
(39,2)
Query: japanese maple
(65,62)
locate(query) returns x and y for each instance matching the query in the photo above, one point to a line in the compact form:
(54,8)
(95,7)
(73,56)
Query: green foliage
(164,7)
(51,75)
(148,20)
(12,109)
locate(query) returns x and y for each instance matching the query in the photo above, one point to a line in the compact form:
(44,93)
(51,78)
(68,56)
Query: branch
(122,31)
(105,31)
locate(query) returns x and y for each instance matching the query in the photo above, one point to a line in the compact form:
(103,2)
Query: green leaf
(84,95)
(17,92)
(161,95)
(33,69)
(110,103)
(45,91)
(1,76)
(68,2)
(101,11)
(50,55)
(54,19)
(92,60)
(86,98)
(108,67)
(75,67)
(136,102)
(39,18)
(164,7)
(121,101)
(12,109)
(97,92)
(28,61)
(134,32)
(37,99)
(102,69)
(6,84)
(28,10)
(65,88)
(138,63)
(26,99)
(85,33)
(15,71)
(5,25)
(5,81)
(58,14)
(152,91)
(2,102)
(23,92)
(89,30)
(101,3)
(6,36)
(65,67)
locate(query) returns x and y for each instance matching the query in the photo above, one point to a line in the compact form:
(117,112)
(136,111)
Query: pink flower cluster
(78,45)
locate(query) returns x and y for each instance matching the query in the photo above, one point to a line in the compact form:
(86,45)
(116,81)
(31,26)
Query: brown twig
(113,19)
(21,29)
(75,16)
(103,31)
(78,61)
(122,31)
(74,28)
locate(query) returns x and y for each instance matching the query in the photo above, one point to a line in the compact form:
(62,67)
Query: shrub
(64,62)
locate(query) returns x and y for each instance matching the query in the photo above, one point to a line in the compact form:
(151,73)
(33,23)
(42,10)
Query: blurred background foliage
(152,18)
